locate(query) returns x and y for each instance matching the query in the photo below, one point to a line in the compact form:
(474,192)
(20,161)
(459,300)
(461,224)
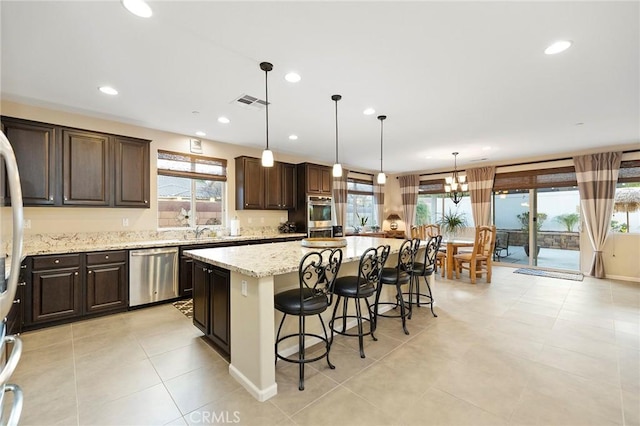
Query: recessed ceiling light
(195,112)
(557,47)
(369,111)
(138,7)
(293,137)
(223,120)
(200,133)
(293,77)
(486,148)
(107,90)
(579,124)
(429,157)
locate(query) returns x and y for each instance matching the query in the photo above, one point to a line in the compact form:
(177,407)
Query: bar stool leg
(301,324)
(403,313)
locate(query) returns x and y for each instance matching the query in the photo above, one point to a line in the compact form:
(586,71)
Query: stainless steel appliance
(318,214)
(153,275)
(320,232)
(10,414)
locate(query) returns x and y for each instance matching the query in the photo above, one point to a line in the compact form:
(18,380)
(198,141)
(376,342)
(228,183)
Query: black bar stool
(397,276)
(425,270)
(358,288)
(316,275)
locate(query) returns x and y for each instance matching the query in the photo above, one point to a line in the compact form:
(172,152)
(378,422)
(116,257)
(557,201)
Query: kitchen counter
(76,243)
(257,273)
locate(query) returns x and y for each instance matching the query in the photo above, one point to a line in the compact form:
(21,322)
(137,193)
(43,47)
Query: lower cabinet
(106,281)
(211,303)
(66,287)
(15,318)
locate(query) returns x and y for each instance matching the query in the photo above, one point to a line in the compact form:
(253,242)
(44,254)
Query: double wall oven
(319,217)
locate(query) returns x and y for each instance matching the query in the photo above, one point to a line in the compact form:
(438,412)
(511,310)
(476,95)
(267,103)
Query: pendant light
(267,155)
(337,168)
(382,179)
(455,185)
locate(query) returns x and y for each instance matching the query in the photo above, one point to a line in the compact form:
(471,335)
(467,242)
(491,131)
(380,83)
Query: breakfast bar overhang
(257,271)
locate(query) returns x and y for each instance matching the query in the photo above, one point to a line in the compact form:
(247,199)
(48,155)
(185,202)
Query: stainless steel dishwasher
(153,275)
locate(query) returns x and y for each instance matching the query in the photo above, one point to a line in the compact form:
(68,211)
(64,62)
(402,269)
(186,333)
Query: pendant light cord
(266,100)
(336,101)
(381,132)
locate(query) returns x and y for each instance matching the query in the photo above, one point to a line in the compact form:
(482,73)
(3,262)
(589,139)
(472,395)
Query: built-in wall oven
(319,219)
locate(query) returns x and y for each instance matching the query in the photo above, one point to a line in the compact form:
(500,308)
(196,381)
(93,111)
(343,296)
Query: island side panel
(252,335)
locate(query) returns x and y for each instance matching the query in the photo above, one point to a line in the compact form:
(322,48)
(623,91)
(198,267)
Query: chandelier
(455,185)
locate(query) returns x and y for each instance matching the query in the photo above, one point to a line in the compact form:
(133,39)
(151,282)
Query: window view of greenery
(360,205)
(432,208)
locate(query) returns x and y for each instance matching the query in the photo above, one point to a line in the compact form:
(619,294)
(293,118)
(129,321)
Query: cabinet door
(106,287)
(219,329)
(314,179)
(35,150)
(273,187)
(131,178)
(186,276)
(85,168)
(249,183)
(325,180)
(56,294)
(201,296)
(288,185)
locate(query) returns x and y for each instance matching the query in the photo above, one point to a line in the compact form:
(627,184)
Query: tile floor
(522,350)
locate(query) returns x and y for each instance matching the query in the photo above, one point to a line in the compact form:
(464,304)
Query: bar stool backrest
(431,252)
(318,272)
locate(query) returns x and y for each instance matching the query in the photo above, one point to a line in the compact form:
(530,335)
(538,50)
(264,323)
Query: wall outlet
(27,224)
(125,221)
(244,288)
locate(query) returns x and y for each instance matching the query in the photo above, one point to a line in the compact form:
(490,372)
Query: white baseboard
(259,394)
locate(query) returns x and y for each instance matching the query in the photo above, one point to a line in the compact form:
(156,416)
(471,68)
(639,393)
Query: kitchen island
(257,272)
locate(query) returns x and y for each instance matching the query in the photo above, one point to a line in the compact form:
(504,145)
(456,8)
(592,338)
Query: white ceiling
(450,76)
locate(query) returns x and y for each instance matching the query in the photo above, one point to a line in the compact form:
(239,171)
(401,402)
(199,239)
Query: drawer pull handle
(75,273)
(16,301)
(106,257)
(56,261)
(91,272)
(22,283)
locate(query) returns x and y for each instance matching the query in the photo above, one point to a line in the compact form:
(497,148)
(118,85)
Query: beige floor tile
(529,318)
(237,407)
(48,406)
(583,345)
(289,399)
(100,385)
(41,359)
(571,328)
(151,406)
(121,346)
(341,407)
(513,345)
(200,387)
(628,340)
(92,327)
(629,364)
(185,359)
(586,319)
(155,344)
(554,396)
(603,370)
(438,408)
(373,350)
(521,330)
(346,360)
(177,422)
(46,337)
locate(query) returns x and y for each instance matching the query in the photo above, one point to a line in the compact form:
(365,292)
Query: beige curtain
(378,200)
(597,176)
(340,199)
(480,188)
(409,190)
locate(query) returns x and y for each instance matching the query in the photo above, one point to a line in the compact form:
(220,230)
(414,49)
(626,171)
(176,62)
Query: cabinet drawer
(106,257)
(56,261)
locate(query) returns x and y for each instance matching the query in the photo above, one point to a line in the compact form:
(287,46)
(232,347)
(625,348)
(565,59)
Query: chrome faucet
(199,231)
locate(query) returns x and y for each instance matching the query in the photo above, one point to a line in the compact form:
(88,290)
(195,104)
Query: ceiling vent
(250,102)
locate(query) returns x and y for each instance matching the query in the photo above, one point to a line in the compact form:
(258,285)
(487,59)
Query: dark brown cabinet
(211,303)
(15,318)
(264,188)
(34,147)
(56,288)
(131,178)
(186,276)
(85,166)
(107,283)
(314,179)
(280,186)
(61,166)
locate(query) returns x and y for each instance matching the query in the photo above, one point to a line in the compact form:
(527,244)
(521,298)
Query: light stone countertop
(280,258)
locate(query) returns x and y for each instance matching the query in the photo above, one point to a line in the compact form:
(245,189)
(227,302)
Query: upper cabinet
(61,166)
(264,188)
(314,179)
(34,147)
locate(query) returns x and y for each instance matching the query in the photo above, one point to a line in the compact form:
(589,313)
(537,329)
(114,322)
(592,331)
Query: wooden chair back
(424,232)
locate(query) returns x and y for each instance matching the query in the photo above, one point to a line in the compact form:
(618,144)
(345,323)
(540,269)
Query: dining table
(452,249)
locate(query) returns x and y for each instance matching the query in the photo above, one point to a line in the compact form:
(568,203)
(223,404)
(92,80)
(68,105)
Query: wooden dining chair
(479,261)
(433,230)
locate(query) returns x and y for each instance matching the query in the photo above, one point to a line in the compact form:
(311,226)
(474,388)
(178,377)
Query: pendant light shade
(267,155)
(337,168)
(382,178)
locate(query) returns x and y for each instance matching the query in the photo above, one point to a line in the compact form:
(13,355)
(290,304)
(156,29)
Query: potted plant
(360,223)
(524,225)
(452,222)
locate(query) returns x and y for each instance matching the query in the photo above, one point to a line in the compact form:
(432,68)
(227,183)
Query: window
(360,205)
(191,190)
(433,202)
